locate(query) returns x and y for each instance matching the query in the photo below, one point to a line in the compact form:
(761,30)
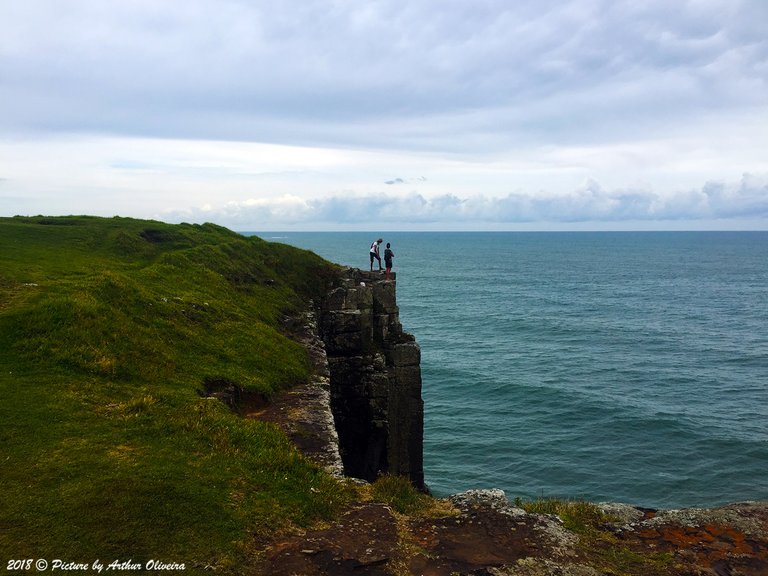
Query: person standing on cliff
(375,252)
(388,255)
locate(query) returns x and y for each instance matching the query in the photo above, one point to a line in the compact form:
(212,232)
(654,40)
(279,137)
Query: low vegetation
(577,515)
(598,543)
(403,498)
(109,329)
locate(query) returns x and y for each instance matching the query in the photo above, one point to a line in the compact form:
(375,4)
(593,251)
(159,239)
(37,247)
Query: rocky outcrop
(485,535)
(361,414)
(375,378)
(304,411)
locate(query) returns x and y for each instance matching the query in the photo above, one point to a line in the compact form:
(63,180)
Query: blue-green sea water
(623,366)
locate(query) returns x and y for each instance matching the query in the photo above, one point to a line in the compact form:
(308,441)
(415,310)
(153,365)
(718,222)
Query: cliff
(362,413)
(375,379)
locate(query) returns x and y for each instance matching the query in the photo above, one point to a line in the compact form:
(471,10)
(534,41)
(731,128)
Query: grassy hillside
(109,330)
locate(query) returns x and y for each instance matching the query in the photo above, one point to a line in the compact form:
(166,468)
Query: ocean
(611,366)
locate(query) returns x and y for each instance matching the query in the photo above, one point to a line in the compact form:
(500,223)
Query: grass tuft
(578,516)
(401,495)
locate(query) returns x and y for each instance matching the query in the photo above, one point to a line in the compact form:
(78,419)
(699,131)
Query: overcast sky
(388,114)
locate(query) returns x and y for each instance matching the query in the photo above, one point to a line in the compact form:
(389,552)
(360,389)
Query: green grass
(596,542)
(399,493)
(109,329)
(577,515)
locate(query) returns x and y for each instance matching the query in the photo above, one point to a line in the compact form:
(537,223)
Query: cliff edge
(362,414)
(375,379)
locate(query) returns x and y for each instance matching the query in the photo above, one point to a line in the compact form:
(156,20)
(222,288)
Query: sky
(388,114)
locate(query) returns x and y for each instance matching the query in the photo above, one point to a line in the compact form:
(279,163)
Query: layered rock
(375,378)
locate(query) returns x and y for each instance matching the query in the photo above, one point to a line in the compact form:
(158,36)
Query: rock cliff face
(375,379)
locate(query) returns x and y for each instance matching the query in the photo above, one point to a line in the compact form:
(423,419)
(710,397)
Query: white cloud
(714,201)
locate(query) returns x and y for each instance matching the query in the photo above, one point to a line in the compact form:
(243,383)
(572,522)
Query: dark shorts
(376,256)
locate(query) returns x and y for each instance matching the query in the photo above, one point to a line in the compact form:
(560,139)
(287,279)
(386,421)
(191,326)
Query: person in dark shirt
(388,255)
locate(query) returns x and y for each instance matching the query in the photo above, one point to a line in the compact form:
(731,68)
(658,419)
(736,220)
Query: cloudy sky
(388,114)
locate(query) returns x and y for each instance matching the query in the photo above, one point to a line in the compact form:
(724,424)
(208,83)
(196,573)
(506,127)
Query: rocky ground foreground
(481,533)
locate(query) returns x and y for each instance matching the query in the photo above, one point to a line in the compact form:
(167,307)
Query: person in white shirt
(375,252)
